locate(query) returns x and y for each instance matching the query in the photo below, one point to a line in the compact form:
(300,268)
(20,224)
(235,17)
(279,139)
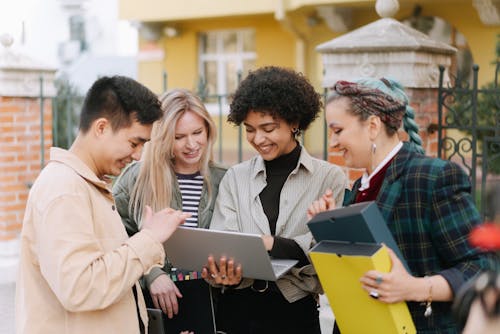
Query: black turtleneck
(277,172)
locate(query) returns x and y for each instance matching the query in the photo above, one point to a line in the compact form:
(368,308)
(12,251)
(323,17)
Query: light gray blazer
(238,208)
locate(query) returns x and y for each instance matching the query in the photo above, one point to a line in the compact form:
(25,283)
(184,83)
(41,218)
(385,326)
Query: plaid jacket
(427,205)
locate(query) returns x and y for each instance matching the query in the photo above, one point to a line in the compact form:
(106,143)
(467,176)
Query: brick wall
(20,149)
(20,154)
(424,102)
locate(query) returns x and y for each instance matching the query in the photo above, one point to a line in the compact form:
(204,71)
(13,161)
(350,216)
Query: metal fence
(469,131)
(230,147)
(468,127)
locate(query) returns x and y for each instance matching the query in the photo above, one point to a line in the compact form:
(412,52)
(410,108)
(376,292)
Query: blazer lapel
(350,196)
(391,187)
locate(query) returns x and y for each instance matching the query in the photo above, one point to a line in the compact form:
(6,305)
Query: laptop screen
(189,248)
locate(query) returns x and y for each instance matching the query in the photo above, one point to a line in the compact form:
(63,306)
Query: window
(223,55)
(77,31)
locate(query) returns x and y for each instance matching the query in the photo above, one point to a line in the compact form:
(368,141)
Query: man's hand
(163,223)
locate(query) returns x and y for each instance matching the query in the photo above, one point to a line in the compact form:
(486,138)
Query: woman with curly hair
(426,202)
(269,195)
(177,171)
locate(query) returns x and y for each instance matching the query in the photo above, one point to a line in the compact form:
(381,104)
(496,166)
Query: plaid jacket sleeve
(430,211)
(452,216)
(428,207)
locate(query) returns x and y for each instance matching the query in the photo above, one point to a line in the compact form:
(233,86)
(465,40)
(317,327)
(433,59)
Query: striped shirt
(190,186)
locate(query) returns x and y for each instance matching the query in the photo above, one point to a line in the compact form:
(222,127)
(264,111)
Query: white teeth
(266,149)
(191,154)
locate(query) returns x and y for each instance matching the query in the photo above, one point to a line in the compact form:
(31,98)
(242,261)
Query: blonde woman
(177,171)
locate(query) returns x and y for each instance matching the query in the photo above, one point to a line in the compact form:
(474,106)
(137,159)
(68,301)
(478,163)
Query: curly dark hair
(278,91)
(121,100)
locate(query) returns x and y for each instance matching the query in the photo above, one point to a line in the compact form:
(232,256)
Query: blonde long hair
(155,182)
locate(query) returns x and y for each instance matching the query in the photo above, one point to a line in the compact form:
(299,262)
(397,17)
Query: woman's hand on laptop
(225,272)
(268,241)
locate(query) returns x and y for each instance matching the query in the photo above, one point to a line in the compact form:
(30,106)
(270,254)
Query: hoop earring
(295,131)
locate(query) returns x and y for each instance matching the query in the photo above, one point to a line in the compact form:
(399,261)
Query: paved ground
(326,317)
(7,293)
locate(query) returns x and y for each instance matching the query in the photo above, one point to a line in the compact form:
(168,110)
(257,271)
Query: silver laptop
(188,248)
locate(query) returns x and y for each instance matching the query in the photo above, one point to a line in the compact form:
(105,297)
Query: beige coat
(77,264)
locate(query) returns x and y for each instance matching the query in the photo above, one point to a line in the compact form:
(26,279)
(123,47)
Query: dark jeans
(245,311)
(196,312)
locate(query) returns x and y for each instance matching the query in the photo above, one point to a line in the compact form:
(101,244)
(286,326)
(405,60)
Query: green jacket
(124,185)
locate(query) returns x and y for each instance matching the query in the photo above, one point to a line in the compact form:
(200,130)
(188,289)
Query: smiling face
(191,139)
(348,134)
(271,137)
(118,148)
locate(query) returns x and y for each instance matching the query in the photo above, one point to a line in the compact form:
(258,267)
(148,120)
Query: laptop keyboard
(278,267)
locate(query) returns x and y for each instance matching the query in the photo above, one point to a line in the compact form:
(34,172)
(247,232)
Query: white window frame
(221,58)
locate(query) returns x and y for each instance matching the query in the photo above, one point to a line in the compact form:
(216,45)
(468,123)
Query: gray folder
(356,223)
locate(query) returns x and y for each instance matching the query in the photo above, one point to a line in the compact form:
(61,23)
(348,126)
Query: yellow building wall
(461,15)
(481,39)
(276,45)
(168,10)
(181,64)
(150,74)
(181,53)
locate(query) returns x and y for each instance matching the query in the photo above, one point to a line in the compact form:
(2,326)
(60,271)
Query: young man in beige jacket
(78,269)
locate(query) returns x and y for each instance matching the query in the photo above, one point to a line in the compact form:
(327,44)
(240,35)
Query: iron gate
(469,131)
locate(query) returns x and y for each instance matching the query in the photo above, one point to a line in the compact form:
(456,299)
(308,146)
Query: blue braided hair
(391,89)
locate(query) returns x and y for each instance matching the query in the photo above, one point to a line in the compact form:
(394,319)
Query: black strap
(141,324)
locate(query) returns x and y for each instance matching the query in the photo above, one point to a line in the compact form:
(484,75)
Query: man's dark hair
(281,92)
(121,100)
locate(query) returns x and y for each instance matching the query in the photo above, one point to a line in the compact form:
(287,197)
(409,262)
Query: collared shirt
(238,208)
(365,179)
(77,265)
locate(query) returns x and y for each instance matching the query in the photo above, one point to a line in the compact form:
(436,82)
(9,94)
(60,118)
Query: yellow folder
(339,266)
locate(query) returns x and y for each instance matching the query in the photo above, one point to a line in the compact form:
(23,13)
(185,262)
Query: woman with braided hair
(426,202)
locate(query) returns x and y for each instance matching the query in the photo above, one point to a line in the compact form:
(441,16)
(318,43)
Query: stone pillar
(21,114)
(388,48)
